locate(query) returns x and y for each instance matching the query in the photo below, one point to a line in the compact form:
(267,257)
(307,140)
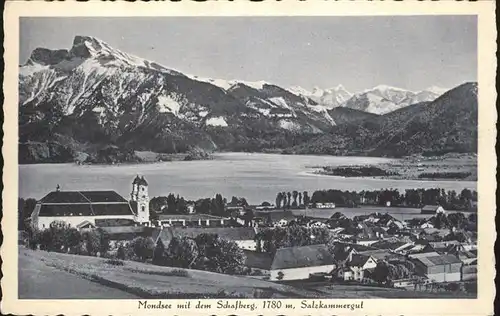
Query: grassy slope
(151,281)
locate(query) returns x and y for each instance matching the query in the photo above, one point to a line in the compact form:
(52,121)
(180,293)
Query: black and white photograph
(248,157)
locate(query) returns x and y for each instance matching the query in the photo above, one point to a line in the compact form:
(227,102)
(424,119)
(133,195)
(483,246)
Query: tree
(25,208)
(121,252)
(300,198)
(288,199)
(143,247)
(218,255)
(280,275)
(295,194)
(284,198)
(230,257)
(248,217)
(92,242)
(306,198)
(182,252)
(279,198)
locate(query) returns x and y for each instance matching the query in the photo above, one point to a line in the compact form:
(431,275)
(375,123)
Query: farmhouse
(439,268)
(275,218)
(355,268)
(80,209)
(432,209)
(327,205)
(292,263)
(191,220)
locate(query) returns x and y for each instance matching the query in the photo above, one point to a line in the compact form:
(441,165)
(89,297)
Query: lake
(256,176)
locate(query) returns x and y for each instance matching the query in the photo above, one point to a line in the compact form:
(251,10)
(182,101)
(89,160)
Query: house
(292,263)
(354,270)
(190,208)
(276,218)
(236,210)
(191,220)
(439,268)
(443,246)
(324,205)
(432,209)
(468,257)
(265,207)
(469,272)
(367,242)
(81,209)
(393,246)
(380,254)
(244,237)
(426,225)
(403,283)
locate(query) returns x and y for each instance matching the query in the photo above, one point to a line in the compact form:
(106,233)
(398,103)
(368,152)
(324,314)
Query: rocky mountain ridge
(92,97)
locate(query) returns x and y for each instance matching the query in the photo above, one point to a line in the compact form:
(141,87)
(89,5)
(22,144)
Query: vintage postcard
(313,158)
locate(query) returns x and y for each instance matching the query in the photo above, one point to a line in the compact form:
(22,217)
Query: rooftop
(188,217)
(439,260)
(298,257)
(82,197)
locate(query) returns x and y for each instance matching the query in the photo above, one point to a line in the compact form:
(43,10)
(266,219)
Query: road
(39,281)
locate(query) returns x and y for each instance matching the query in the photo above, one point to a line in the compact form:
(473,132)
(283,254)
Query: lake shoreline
(258,177)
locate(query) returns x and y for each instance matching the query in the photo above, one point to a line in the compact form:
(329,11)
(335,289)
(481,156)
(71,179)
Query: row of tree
(410,198)
(292,199)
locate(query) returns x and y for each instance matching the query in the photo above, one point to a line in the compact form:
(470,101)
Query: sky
(410,52)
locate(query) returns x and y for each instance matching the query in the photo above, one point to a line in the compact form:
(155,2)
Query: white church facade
(82,208)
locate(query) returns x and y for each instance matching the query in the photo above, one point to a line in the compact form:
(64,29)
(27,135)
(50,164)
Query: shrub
(182,252)
(121,252)
(280,275)
(59,237)
(96,242)
(114,262)
(143,248)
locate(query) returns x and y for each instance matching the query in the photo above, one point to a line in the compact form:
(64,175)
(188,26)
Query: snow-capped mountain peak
(90,48)
(329,98)
(436,90)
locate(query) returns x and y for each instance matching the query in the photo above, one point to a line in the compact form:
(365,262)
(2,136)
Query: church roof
(84,203)
(78,197)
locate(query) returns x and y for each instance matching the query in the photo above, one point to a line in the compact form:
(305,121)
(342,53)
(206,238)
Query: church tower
(140,197)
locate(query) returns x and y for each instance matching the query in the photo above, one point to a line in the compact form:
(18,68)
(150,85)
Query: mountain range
(448,124)
(92,97)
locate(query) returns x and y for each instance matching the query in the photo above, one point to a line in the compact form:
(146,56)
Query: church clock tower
(140,197)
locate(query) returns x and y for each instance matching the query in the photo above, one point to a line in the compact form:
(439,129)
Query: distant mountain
(448,124)
(330,98)
(383,99)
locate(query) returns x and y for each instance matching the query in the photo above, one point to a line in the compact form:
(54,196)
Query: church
(81,209)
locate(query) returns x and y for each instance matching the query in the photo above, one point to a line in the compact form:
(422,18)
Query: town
(300,240)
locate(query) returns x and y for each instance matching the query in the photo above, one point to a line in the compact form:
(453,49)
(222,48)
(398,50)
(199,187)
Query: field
(414,168)
(141,280)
